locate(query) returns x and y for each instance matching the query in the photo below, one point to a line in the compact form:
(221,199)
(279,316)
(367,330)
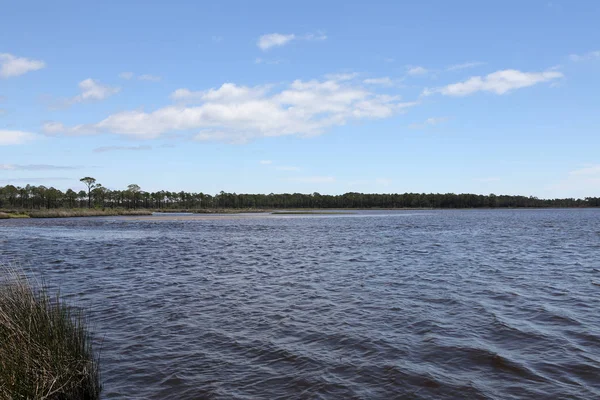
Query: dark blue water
(408,305)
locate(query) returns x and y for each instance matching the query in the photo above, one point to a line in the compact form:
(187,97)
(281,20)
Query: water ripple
(409,305)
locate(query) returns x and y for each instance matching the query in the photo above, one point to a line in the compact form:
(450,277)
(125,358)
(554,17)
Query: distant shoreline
(140,212)
(97,200)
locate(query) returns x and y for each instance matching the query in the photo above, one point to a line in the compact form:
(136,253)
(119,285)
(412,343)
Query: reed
(45,346)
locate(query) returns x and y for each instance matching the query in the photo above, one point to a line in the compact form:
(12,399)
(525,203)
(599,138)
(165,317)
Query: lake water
(494,304)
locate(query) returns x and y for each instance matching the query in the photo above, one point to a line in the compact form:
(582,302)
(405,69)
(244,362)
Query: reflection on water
(415,305)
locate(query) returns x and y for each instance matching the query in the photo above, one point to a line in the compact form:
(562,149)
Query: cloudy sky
(428,96)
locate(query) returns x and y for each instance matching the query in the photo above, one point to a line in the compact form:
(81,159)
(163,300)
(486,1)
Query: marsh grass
(45,347)
(74,212)
(84,212)
(7,215)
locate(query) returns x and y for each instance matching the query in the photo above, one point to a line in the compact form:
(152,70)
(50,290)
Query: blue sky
(329,97)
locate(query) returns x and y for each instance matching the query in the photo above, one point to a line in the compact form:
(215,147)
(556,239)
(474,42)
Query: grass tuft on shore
(45,347)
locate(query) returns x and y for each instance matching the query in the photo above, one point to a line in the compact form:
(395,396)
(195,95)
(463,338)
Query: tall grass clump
(45,347)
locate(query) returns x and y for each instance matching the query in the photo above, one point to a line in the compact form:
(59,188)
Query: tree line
(97,196)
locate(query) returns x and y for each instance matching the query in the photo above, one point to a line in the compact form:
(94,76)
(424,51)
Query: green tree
(134,190)
(71,196)
(99,192)
(90,183)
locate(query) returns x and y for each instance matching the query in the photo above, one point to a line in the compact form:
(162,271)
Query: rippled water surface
(379,305)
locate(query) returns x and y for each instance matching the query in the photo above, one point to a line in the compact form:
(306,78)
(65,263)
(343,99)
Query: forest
(96,195)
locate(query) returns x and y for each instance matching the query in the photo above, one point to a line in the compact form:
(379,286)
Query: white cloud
(11,66)
(265,42)
(126,75)
(186,95)
(9,137)
(592,55)
(237,114)
(416,71)
(53,128)
(268,41)
(104,149)
(428,122)
(227,93)
(217,39)
(265,162)
(466,65)
(313,179)
(92,90)
(499,82)
(148,77)
(385,81)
